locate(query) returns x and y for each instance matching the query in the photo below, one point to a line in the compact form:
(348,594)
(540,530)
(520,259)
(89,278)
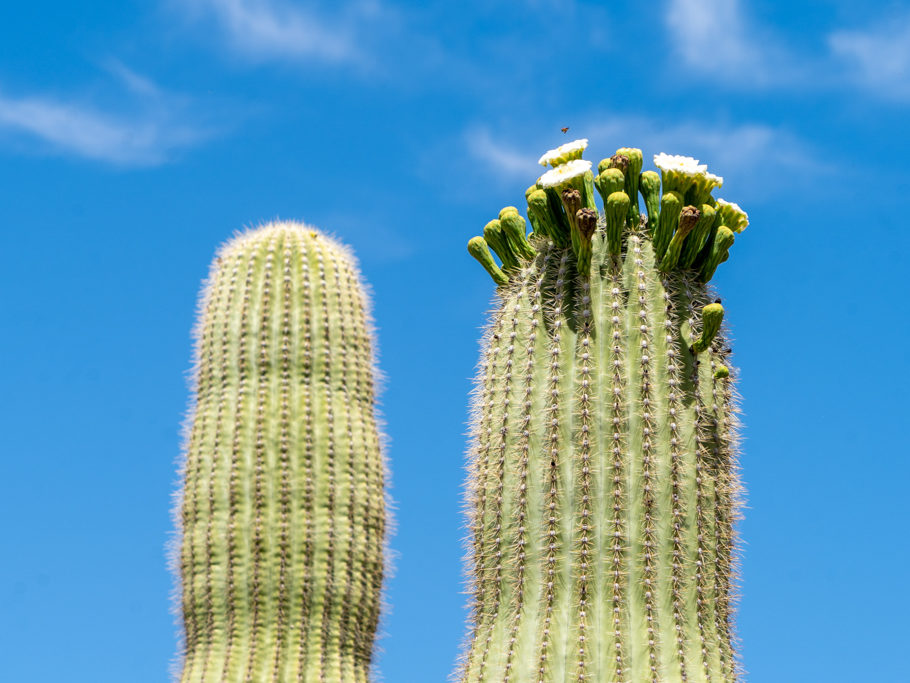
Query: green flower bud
(513,227)
(477,247)
(712,316)
(496,239)
(688,217)
(649,186)
(617,208)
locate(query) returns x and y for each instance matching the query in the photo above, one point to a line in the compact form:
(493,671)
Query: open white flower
(734,217)
(563,174)
(733,205)
(715,180)
(680,164)
(564,153)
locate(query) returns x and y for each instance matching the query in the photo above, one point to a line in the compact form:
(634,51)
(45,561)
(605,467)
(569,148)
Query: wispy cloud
(507,160)
(715,37)
(145,129)
(279,30)
(877,57)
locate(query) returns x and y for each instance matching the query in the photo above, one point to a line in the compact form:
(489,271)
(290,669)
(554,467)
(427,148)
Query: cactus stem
(308,508)
(325,584)
(259,497)
(676,547)
(706,502)
(584,524)
(644,544)
(619,444)
(481,475)
(275,579)
(233,564)
(620,556)
(201,434)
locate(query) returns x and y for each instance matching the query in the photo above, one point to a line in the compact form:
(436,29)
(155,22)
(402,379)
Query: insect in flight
(565,130)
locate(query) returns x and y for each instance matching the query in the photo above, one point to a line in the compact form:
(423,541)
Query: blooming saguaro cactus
(282,511)
(603,480)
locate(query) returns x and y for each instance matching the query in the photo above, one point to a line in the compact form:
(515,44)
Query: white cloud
(877,57)
(276,29)
(143,132)
(716,38)
(497,154)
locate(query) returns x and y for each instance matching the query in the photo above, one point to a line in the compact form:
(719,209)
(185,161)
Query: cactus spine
(603,483)
(282,512)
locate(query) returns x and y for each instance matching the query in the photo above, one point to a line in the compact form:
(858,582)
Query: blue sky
(136,136)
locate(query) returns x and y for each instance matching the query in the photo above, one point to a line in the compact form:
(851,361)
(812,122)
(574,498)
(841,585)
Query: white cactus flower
(717,180)
(564,173)
(734,217)
(732,205)
(680,164)
(563,153)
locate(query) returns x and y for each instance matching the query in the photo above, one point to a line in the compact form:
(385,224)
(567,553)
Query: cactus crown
(684,220)
(603,485)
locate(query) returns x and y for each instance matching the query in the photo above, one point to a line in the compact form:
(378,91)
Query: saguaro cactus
(282,511)
(603,480)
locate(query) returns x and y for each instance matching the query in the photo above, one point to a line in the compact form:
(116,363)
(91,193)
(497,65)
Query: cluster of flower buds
(688,227)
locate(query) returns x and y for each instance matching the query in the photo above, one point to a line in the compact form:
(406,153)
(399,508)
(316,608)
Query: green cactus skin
(282,513)
(603,488)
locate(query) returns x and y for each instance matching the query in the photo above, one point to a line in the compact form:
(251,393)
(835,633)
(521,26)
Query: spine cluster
(604,491)
(282,512)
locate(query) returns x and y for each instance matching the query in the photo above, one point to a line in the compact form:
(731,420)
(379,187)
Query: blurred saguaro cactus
(282,512)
